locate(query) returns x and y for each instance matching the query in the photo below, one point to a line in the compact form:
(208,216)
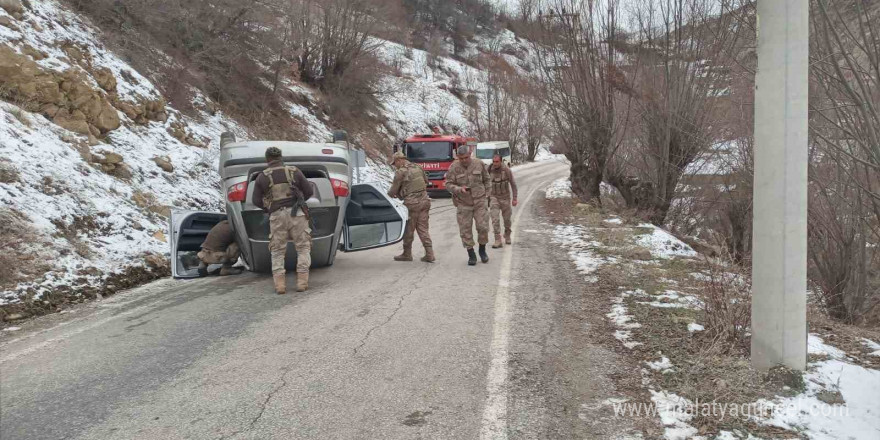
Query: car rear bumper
(255,232)
(323,250)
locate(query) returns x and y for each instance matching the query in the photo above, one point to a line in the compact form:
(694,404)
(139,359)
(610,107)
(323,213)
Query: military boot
(498,242)
(429,255)
(472,257)
(302,281)
(280,288)
(484,257)
(507,237)
(229,270)
(406,255)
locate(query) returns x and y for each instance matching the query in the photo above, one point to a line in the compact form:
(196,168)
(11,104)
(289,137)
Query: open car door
(188,232)
(372,219)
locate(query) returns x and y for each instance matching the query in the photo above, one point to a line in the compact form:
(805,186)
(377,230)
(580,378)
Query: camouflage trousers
(226,258)
(418,222)
(469,215)
(283,228)
(499,207)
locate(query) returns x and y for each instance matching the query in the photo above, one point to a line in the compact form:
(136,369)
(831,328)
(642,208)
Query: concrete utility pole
(779,265)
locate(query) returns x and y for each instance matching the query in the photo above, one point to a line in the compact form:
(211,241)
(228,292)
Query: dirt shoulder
(564,370)
(649,333)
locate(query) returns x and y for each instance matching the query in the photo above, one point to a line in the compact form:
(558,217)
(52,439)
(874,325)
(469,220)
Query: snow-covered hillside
(97,207)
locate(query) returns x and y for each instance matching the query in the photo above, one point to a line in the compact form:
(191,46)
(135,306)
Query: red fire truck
(434,153)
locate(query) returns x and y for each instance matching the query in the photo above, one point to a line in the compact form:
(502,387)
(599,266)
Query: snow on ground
(575,239)
(858,417)
(624,322)
(58,187)
(316,130)
(374,172)
(672,299)
(872,346)
(694,327)
(544,155)
(418,96)
(664,245)
(560,189)
(664,365)
(722,159)
(815,345)
(675,412)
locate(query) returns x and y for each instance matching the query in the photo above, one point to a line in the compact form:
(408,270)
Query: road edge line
(494,422)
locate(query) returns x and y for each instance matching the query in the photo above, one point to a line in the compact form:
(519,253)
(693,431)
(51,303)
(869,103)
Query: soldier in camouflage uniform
(279,188)
(409,185)
(220,247)
(503,187)
(468,181)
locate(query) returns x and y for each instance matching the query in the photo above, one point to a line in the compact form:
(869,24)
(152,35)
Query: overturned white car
(346,217)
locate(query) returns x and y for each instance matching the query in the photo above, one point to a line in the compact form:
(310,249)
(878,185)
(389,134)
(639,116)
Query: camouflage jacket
(503,185)
(474,176)
(409,185)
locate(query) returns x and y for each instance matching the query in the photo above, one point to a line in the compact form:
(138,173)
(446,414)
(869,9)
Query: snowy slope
(95,224)
(420,97)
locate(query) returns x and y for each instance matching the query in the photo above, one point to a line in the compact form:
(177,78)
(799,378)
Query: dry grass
(847,337)
(21,116)
(20,259)
(8,172)
(709,366)
(85,226)
(727,310)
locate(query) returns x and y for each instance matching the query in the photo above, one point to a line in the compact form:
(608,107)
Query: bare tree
(501,114)
(580,72)
(527,10)
(680,75)
(844,210)
(535,130)
(331,35)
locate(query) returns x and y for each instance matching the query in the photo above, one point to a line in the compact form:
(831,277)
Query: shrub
(727,305)
(8,172)
(18,259)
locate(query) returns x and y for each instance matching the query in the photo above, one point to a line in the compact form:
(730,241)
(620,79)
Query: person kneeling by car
(220,248)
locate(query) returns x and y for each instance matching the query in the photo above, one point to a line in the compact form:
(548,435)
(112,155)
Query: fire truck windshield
(424,151)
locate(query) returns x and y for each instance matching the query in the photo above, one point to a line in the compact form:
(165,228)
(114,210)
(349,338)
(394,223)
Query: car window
(485,153)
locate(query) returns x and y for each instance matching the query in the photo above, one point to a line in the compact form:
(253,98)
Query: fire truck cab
(435,153)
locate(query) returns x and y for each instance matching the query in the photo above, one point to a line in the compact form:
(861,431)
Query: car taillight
(340,188)
(237,192)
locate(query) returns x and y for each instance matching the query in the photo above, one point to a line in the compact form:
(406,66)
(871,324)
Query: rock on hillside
(94,159)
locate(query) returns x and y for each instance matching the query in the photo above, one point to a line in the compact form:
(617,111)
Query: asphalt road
(375,349)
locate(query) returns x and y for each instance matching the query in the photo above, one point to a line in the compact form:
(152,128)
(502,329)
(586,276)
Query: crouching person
(220,248)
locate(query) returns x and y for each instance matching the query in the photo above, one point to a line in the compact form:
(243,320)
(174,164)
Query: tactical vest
(414,182)
(500,181)
(280,191)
